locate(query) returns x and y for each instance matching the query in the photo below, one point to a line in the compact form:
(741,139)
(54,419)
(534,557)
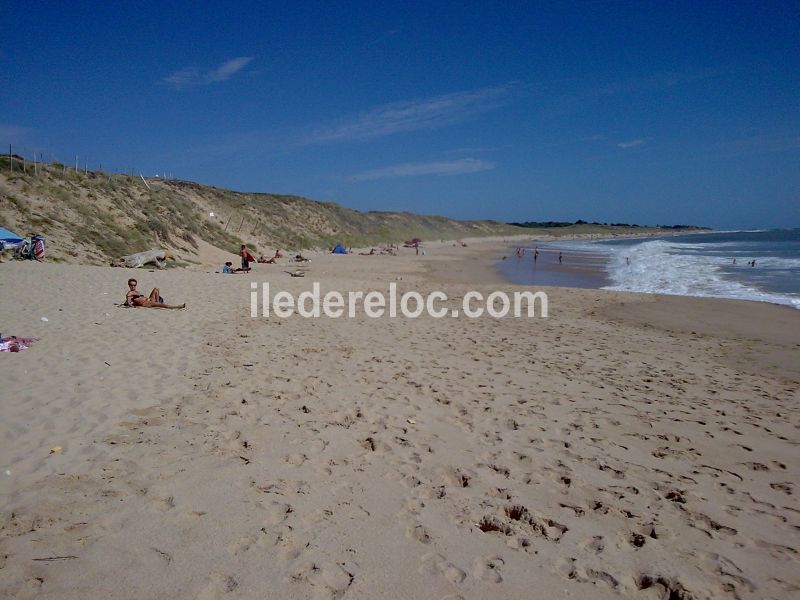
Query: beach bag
(38,247)
(32,248)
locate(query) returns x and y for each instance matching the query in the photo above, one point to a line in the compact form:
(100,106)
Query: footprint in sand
(218,586)
(456,477)
(488,569)
(329,579)
(436,564)
(282,487)
(296,458)
(785,487)
(419,533)
(164,504)
(594,544)
(277,512)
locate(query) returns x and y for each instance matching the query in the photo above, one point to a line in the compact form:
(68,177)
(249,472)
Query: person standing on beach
(536,254)
(560,257)
(245,254)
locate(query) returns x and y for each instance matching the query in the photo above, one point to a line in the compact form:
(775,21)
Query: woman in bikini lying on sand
(134,298)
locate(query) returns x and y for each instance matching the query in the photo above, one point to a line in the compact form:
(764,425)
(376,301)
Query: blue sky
(638,112)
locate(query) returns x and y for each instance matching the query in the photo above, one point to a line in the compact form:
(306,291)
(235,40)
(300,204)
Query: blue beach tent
(9,239)
(339,249)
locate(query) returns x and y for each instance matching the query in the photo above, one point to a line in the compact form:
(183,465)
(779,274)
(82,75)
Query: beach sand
(627,445)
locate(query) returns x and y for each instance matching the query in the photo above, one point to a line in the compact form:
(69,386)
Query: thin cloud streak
(190,76)
(413,115)
(453,167)
(470,150)
(631,144)
(227,69)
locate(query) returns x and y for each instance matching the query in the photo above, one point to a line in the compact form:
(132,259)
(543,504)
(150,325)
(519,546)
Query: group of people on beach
(247,258)
(133,298)
(520,252)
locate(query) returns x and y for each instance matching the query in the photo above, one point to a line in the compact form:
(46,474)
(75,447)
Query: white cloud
(412,115)
(184,77)
(452,167)
(189,76)
(227,69)
(631,144)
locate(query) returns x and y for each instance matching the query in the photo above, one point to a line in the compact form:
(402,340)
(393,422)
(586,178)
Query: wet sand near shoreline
(577,269)
(629,445)
(766,336)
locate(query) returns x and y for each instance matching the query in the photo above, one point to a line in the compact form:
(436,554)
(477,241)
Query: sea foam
(664,267)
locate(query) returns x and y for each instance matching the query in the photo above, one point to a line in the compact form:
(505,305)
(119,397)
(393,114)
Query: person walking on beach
(560,257)
(154,300)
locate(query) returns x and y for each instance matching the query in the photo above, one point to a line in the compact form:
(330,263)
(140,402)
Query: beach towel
(15,344)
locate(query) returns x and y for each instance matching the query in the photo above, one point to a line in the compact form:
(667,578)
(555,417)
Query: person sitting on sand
(278,254)
(154,300)
(228,268)
(370,253)
(301,258)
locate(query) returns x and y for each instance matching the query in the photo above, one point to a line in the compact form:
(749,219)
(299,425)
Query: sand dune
(208,454)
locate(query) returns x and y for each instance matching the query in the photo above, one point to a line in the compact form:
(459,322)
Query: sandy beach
(632,445)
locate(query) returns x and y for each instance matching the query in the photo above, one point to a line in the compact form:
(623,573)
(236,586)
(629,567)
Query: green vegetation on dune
(95,217)
(595,227)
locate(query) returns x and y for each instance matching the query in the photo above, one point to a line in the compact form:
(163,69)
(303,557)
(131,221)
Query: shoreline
(579,270)
(586,269)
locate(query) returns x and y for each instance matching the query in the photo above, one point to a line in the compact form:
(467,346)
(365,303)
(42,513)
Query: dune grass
(101,216)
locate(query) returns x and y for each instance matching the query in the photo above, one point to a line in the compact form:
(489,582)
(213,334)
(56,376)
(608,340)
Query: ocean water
(695,264)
